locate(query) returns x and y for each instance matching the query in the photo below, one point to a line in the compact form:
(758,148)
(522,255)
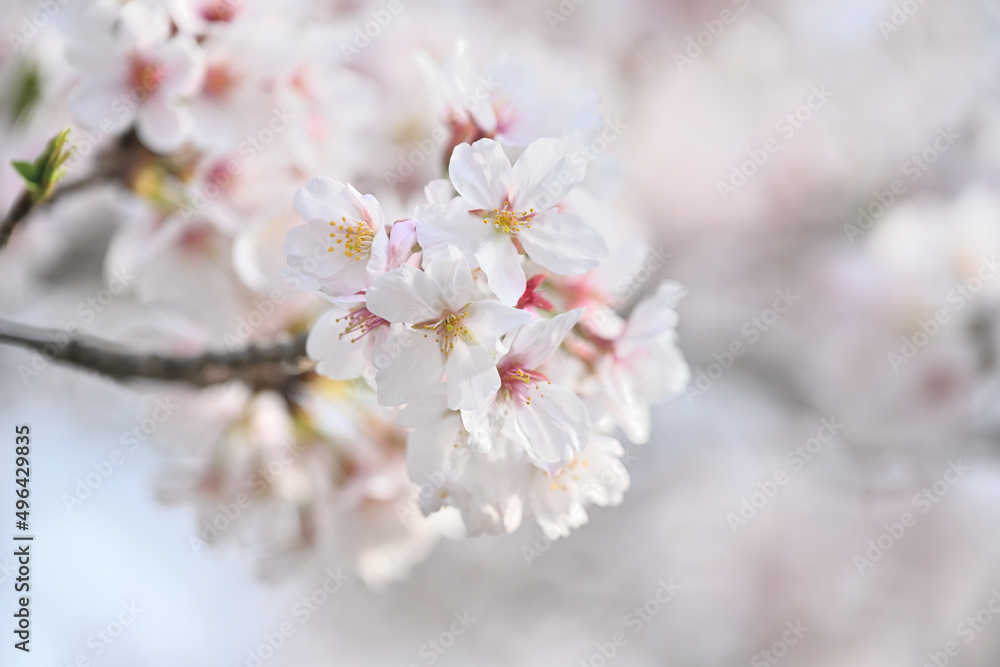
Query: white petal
(438,192)
(658,368)
(557,512)
(488,320)
(378,259)
(144,24)
(596,476)
(162,126)
(474,98)
(429,409)
(544,174)
(472,376)
(453,226)
(213,126)
(406,294)
(368,208)
(91,104)
(307,249)
(94,48)
(337,357)
(325,200)
(450,271)
(409,366)
(606,479)
(564,243)
(533,343)
(555,425)
(184,63)
(655,314)
(484,423)
(480,173)
(631,413)
(501,263)
(429,449)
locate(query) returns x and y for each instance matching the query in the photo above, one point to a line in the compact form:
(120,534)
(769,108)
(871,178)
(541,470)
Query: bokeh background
(902,92)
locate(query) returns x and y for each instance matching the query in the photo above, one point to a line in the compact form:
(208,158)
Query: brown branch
(260,365)
(18,212)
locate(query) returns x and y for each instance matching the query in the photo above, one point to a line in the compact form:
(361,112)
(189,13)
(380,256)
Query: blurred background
(822,176)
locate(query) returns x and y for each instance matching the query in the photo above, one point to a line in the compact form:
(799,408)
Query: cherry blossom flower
(232,102)
(595,476)
(504,210)
(549,420)
(346,339)
(133,70)
(439,327)
(486,487)
(503,101)
(495,491)
(198,16)
(644,364)
(342,230)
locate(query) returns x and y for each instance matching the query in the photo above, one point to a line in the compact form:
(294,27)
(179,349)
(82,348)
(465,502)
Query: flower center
(220,10)
(218,80)
(197,238)
(505,219)
(361,320)
(558,485)
(219,175)
(522,384)
(146,74)
(356,238)
(447,329)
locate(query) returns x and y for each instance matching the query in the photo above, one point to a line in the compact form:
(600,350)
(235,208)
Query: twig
(98,176)
(18,212)
(24,204)
(260,365)
(114,165)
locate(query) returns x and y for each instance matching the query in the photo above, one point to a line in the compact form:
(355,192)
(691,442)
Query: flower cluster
(437,314)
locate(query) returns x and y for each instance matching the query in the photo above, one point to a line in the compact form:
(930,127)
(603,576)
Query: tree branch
(260,365)
(18,212)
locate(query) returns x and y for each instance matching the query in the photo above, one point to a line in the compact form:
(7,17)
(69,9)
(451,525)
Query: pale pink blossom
(503,211)
(439,328)
(134,71)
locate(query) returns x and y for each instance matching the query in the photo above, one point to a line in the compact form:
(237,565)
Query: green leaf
(28,171)
(41,176)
